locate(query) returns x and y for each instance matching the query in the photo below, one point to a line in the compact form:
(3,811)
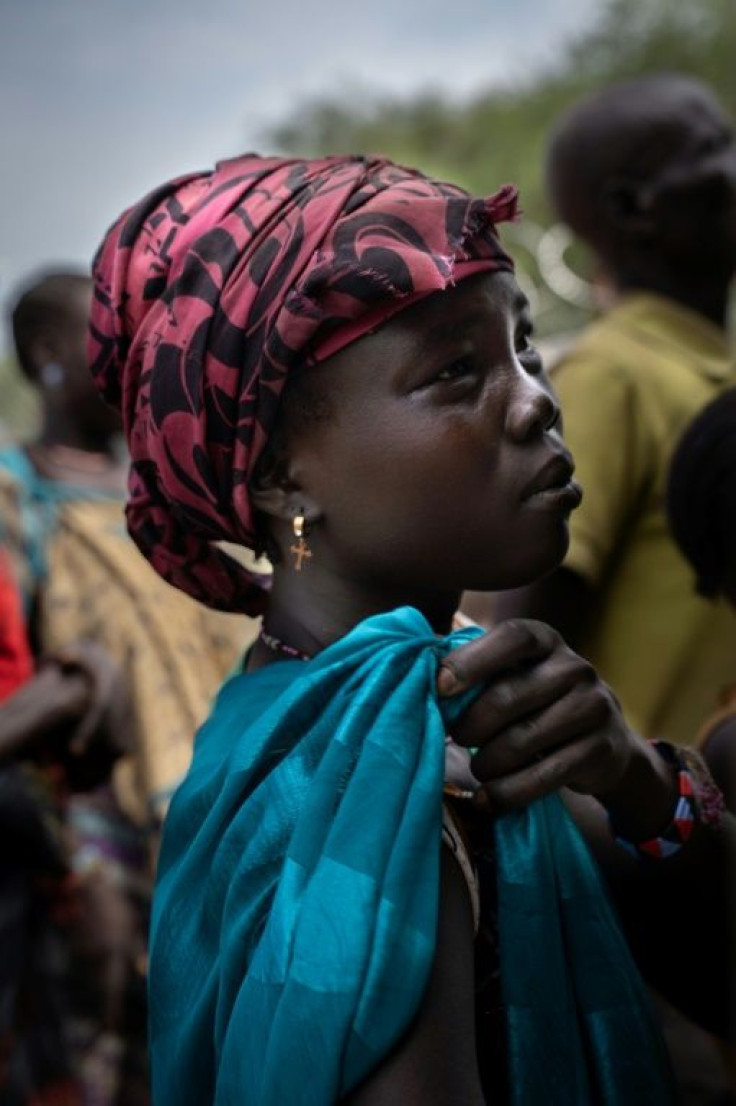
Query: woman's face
(441,465)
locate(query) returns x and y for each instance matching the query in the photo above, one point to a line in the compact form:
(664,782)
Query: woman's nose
(532,410)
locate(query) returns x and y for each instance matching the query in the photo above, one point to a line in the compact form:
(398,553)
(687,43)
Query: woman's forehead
(480,298)
(476,305)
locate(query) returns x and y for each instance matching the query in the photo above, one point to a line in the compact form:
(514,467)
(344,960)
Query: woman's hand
(546,721)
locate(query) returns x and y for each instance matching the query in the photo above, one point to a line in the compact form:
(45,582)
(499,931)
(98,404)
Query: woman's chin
(538,561)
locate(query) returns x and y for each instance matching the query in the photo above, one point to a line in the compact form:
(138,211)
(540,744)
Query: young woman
(330,361)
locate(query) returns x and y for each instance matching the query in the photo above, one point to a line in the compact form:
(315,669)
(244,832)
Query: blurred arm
(49,700)
(678,914)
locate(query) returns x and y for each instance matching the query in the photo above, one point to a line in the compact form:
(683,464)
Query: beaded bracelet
(698,801)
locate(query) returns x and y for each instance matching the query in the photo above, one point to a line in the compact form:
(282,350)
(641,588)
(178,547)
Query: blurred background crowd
(100,104)
(104,685)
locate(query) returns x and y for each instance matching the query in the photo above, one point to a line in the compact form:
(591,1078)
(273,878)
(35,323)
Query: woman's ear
(272,486)
(276,493)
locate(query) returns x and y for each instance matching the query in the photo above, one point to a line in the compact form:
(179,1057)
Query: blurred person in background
(701,507)
(644,173)
(86,591)
(61,727)
(16,661)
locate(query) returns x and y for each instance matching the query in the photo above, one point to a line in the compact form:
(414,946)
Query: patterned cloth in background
(74,988)
(37,908)
(35,892)
(88,581)
(16,662)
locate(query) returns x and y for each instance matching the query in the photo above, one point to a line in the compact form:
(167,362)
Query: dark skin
(76,444)
(75,711)
(720,748)
(444,406)
(435,1063)
(73,415)
(382,430)
(75,708)
(563,600)
(720,752)
(657,207)
(645,175)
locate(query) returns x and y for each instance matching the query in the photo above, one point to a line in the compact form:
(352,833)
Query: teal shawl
(296,905)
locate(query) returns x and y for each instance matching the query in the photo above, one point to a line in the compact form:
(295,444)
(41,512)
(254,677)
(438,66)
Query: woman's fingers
(582,711)
(578,765)
(510,644)
(543,720)
(521,695)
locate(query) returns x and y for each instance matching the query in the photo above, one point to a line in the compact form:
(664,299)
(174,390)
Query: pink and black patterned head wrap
(214,287)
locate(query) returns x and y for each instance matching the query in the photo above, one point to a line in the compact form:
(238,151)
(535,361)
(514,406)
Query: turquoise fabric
(295,912)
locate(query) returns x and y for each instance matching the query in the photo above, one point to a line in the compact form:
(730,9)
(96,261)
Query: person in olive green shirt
(645,174)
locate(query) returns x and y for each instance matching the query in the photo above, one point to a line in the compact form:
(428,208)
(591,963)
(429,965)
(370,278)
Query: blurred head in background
(644,172)
(49,324)
(701,497)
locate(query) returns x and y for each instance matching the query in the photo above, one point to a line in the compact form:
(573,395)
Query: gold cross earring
(301,550)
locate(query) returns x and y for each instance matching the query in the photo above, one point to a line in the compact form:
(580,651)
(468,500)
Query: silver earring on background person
(52,375)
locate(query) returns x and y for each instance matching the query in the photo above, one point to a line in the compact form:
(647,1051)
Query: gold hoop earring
(301,549)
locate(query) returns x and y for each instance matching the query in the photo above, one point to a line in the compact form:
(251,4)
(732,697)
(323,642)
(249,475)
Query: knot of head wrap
(215,286)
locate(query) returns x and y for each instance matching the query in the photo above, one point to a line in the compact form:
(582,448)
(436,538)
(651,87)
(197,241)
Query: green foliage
(500,134)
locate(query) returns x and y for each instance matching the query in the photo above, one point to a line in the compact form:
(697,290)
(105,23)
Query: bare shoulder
(435,1062)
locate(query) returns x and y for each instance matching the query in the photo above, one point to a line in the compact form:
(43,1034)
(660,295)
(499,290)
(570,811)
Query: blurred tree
(500,133)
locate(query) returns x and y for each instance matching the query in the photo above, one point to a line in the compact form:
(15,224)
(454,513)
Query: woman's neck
(309,615)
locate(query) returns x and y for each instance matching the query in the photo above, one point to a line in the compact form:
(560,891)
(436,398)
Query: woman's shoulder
(455,839)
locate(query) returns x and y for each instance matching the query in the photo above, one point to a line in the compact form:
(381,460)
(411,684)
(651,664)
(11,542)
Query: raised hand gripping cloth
(295,914)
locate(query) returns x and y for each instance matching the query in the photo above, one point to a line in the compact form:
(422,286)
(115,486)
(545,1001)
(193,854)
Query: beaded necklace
(277,646)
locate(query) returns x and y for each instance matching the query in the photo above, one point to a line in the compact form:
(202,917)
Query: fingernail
(446,681)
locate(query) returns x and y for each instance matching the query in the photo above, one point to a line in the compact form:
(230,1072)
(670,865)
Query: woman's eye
(458,370)
(524,341)
(526,349)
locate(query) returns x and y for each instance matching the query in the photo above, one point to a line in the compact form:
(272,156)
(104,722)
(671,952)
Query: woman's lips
(565,498)
(553,485)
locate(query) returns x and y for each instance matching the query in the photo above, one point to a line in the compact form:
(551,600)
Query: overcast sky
(102,99)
